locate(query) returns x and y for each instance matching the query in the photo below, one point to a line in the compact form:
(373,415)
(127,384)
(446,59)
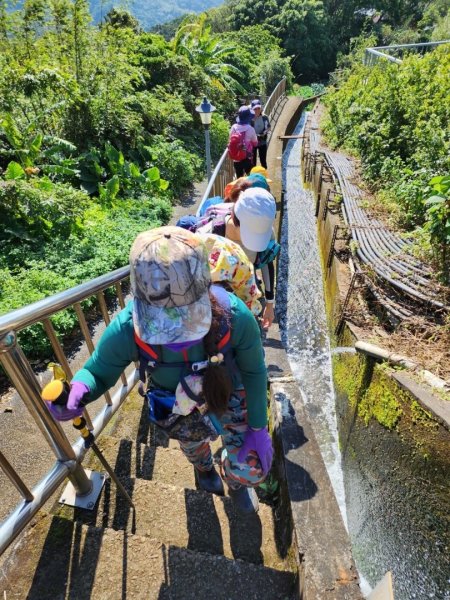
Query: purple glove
(73,408)
(78,390)
(261,443)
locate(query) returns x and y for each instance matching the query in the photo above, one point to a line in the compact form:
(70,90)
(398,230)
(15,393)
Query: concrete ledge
(439,407)
(326,567)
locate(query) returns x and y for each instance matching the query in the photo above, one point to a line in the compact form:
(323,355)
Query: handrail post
(24,380)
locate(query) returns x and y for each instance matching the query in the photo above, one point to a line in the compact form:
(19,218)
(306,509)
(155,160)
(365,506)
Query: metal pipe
(395,46)
(25,382)
(25,511)
(15,479)
(57,348)
(87,336)
(27,315)
(120,294)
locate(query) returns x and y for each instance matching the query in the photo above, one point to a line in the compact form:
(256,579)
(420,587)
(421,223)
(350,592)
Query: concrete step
(131,459)
(131,423)
(192,519)
(59,559)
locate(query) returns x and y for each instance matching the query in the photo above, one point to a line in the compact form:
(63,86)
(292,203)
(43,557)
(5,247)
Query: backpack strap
(150,357)
(224,343)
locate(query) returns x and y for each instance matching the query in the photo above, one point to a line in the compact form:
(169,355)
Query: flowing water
(302,314)
(396,505)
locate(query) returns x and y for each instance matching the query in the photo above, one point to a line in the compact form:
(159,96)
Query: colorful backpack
(237,148)
(215,216)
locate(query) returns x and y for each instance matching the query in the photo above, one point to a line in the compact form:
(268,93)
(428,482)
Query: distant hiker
(200,354)
(241,142)
(261,124)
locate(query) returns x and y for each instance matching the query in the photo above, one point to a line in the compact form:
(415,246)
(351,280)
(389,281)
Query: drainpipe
(401,361)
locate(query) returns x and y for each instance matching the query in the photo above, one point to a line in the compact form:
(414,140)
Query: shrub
(395,118)
(100,246)
(37,210)
(175,163)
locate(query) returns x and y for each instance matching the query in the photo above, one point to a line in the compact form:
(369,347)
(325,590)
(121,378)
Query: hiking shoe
(210,481)
(244,499)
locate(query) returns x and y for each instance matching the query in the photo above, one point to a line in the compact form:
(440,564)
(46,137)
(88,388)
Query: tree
(81,18)
(209,52)
(303,27)
(121,18)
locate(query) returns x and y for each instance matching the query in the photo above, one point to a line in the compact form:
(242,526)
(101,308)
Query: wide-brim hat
(245,115)
(170,282)
(256,210)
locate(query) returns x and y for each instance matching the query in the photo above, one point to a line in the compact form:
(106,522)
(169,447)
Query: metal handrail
(17,367)
(373,54)
(224,171)
(19,371)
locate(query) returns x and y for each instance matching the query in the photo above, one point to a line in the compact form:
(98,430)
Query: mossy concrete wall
(396,462)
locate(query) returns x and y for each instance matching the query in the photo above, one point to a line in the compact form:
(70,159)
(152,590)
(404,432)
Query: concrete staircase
(181,543)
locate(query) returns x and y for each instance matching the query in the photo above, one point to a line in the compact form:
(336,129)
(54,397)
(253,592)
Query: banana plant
(36,153)
(127,179)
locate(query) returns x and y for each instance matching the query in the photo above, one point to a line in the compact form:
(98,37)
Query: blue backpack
(268,255)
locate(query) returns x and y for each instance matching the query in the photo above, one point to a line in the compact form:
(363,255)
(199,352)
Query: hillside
(152,12)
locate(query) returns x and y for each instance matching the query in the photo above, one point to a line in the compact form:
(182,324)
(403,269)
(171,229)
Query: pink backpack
(237,148)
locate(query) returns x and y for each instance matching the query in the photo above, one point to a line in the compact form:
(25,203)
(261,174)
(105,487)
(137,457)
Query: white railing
(373,55)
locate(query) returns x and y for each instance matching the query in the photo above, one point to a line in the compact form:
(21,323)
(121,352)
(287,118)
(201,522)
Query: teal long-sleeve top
(117,349)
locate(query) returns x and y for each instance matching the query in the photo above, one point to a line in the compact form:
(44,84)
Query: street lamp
(205,110)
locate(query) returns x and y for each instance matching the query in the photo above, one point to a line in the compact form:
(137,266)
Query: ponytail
(217,384)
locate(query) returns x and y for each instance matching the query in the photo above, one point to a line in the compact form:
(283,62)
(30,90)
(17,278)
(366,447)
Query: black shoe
(244,499)
(210,481)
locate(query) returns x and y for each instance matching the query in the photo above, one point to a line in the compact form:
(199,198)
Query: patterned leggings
(234,423)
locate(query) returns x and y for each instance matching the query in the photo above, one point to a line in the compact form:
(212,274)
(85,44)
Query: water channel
(303,322)
(386,538)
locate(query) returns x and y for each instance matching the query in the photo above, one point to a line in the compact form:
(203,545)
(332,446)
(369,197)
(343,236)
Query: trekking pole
(57,392)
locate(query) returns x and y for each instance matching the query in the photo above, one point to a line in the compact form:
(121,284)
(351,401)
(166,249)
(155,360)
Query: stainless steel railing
(224,171)
(373,55)
(19,371)
(69,457)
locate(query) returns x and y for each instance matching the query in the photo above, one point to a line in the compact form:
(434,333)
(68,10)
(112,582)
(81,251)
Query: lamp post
(205,110)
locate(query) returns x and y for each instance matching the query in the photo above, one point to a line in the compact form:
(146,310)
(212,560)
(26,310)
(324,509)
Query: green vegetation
(381,401)
(314,33)
(367,389)
(99,137)
(395,118)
